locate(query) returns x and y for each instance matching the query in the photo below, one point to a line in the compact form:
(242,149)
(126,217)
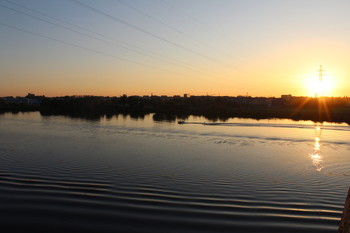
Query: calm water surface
(122,174)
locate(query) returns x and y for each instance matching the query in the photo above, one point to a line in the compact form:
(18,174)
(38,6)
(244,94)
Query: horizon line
(186,95)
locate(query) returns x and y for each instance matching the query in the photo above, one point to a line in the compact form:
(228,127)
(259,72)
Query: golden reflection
(316,156)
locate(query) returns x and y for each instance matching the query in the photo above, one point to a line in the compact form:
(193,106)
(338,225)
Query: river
(137,174)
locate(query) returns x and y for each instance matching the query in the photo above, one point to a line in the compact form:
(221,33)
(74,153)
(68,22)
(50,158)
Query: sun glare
(319,87)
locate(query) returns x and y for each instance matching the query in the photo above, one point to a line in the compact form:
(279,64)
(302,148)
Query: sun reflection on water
(316,156)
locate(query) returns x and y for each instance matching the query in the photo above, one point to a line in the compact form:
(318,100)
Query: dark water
(59,174)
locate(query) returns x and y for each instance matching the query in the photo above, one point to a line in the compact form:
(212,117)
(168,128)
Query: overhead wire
(165,40)
(141,50)
(93,37)
(208,28)
(95,51)
(73,30)
(77,46)
(198,22)
(179,31)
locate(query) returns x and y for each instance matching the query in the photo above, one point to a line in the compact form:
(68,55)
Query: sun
(320,84)
(320,88)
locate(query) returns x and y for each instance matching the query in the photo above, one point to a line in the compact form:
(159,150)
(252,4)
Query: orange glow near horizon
(320,88)
(260,53)
(329,85)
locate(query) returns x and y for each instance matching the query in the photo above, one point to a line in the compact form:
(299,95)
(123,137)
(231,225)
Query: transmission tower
(320,91)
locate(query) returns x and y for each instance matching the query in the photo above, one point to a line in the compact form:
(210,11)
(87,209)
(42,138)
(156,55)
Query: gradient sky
(168,47)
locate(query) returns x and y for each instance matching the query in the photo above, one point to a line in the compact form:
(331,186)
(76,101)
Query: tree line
(336,109)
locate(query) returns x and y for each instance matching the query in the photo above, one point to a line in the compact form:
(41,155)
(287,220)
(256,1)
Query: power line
(72,44)
(177,30)
(93,37)
(147,32)
(88,30)
(174,28)
(206,27)
(88,49)
(151,17)
(198,22)
(73,30)
(93,50)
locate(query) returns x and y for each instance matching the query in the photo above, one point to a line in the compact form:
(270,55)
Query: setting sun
(320,88)
(320,84)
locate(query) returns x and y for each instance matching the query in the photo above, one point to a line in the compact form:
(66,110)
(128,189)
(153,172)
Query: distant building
(30,95)
(286,97)
(33,96)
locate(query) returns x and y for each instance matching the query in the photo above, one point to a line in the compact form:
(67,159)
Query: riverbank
(213,108)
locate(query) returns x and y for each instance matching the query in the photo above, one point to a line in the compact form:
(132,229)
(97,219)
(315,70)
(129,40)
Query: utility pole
(320,79)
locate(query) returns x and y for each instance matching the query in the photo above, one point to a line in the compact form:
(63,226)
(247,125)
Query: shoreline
(213,108)
(247,112)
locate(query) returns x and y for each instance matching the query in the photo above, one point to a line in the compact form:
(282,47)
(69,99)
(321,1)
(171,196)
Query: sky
(172,47)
